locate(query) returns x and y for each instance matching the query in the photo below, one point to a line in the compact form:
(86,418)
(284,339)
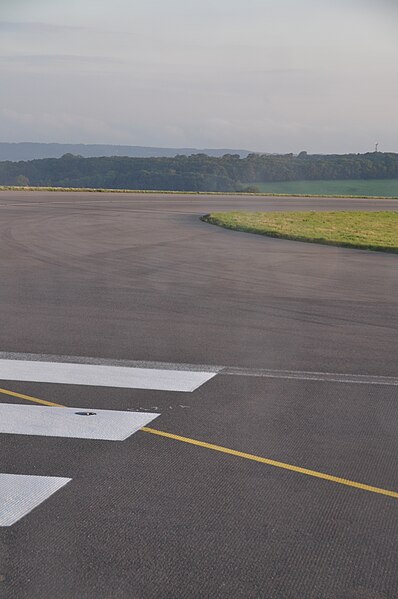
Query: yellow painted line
(269,462)
(239,454)
(30,398)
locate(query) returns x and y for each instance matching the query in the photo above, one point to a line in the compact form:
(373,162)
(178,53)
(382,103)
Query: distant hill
(32,151)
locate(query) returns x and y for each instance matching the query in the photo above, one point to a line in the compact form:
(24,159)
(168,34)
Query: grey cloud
(45,59)
(37,28)
(31,27)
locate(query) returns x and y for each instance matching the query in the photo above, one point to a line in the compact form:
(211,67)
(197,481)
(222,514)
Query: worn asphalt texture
(140,277)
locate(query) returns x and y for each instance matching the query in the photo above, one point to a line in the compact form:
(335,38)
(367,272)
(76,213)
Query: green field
(361,230)
(352,187)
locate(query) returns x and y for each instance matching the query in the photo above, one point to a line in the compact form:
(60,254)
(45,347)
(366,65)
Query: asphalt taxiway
(254,381)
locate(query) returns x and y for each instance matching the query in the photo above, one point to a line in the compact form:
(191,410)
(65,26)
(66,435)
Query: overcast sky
(266,75)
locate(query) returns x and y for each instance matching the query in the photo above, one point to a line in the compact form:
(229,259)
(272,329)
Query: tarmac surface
(300,345)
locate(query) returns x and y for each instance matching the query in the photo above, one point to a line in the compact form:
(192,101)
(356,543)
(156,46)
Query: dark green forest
(197,172)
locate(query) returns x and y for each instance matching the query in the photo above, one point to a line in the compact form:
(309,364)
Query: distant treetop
(198,172)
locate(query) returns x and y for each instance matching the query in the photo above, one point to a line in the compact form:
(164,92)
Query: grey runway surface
(303,341)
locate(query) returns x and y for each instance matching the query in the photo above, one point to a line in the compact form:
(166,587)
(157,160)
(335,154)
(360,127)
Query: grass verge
(361,230)
(205,193)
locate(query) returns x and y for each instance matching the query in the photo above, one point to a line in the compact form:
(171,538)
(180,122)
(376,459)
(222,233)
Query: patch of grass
(352,187)
(362,230)
(91,189)
(187,192)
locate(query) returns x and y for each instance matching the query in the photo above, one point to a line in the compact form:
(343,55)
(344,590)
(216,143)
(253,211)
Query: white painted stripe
(109,425)
(99,375)
(332,377)
(20,494)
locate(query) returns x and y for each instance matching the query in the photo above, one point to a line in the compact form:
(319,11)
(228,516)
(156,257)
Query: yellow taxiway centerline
(269,462)
(240,454)
(30,398)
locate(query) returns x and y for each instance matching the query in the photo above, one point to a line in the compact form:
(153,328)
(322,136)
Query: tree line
(198,172)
